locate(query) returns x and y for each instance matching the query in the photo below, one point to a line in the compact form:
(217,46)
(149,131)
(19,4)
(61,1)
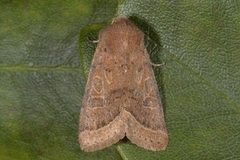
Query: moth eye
(105,49)
(96,102)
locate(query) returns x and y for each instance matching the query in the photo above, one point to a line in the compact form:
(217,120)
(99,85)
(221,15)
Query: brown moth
(121,96)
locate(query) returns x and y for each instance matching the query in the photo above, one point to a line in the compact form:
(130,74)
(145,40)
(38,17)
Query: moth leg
(157,65)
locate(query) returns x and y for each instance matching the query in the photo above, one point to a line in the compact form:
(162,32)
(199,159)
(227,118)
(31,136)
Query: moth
(121,95)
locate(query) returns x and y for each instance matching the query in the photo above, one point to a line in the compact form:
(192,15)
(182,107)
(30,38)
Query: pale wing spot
(139,74)
(97,84)
(108,75)
(149,85)
(150,102)
(96,102)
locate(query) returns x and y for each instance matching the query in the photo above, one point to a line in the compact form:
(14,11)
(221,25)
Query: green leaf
(44,61)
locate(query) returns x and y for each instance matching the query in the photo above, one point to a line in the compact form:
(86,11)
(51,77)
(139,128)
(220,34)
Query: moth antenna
(157,65)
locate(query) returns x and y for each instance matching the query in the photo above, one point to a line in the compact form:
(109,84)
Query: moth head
(120,17)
